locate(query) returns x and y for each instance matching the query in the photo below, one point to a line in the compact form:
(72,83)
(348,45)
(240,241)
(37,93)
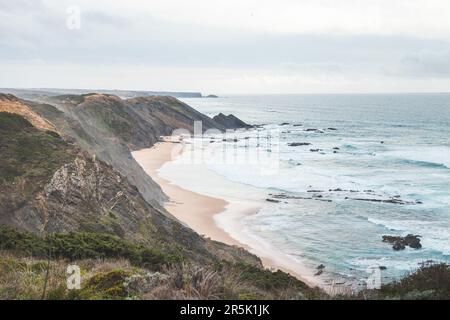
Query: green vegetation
(278,284)
(428,282)
(78,246)
(28,153)
(179,278)
(109,285)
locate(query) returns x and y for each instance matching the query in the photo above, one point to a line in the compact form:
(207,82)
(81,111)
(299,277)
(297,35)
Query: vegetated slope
(51,186)
(59,201)
(10,103)
(116,278)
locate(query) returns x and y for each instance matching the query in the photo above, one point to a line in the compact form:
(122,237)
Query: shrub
(77,246)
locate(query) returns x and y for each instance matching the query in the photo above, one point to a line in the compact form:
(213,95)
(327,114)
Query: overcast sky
(215,46)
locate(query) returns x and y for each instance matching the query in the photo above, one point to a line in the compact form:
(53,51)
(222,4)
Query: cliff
(69,189)
(49,186)
(111,128)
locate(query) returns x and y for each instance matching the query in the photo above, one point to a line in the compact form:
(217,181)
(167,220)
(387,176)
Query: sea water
(371,147)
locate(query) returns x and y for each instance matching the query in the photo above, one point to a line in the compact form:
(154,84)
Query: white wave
(433,154)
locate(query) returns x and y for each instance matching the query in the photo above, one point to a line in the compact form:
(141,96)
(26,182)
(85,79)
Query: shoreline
(215,216)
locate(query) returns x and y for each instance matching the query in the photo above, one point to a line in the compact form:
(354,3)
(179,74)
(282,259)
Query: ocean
(365,165)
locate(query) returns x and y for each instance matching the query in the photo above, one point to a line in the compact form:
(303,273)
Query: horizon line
(224,94)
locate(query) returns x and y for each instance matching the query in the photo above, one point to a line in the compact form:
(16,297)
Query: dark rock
(299,144)
(391,201)
(318,273)
(336,148)
(273,200)
(314,130)
(230,140)
(383,268)
(413,241)
(400,243)
(231,122)
(321,267)
(315,150)
(332,129)
(284,124)
(298,125)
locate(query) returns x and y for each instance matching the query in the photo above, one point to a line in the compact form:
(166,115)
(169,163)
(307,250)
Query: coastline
(217,218)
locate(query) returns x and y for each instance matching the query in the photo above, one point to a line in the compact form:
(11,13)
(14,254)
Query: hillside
(110,128)
(51,186)
(10,103)
(60,201)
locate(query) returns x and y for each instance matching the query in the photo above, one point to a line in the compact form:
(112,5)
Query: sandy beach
(183,203)
(211,216)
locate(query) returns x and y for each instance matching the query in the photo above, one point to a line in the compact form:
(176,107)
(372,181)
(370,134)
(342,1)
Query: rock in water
(400,243)
(413,241)
(299,144)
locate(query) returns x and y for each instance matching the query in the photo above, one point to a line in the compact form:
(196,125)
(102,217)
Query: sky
(218,46)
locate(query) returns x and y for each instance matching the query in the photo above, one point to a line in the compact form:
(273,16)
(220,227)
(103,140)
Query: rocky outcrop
(400,243)
(165,114)
(231,122)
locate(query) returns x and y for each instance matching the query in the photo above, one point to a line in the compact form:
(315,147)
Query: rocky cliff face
(49,185)
(111,128)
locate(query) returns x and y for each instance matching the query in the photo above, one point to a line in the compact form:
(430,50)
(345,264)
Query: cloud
(426,64)
(276,45)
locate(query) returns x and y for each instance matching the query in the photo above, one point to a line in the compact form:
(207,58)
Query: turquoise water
(385,147)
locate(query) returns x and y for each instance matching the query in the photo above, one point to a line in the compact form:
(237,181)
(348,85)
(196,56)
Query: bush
(428,282)
(77,246)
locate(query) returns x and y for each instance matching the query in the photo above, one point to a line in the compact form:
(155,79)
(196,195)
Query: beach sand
(204,213)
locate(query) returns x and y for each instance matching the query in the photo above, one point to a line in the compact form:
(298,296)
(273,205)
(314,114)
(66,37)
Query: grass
(178,278)
(116,269)
(27,153)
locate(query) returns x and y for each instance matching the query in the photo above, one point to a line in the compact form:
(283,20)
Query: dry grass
(24,278)
(189,282)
